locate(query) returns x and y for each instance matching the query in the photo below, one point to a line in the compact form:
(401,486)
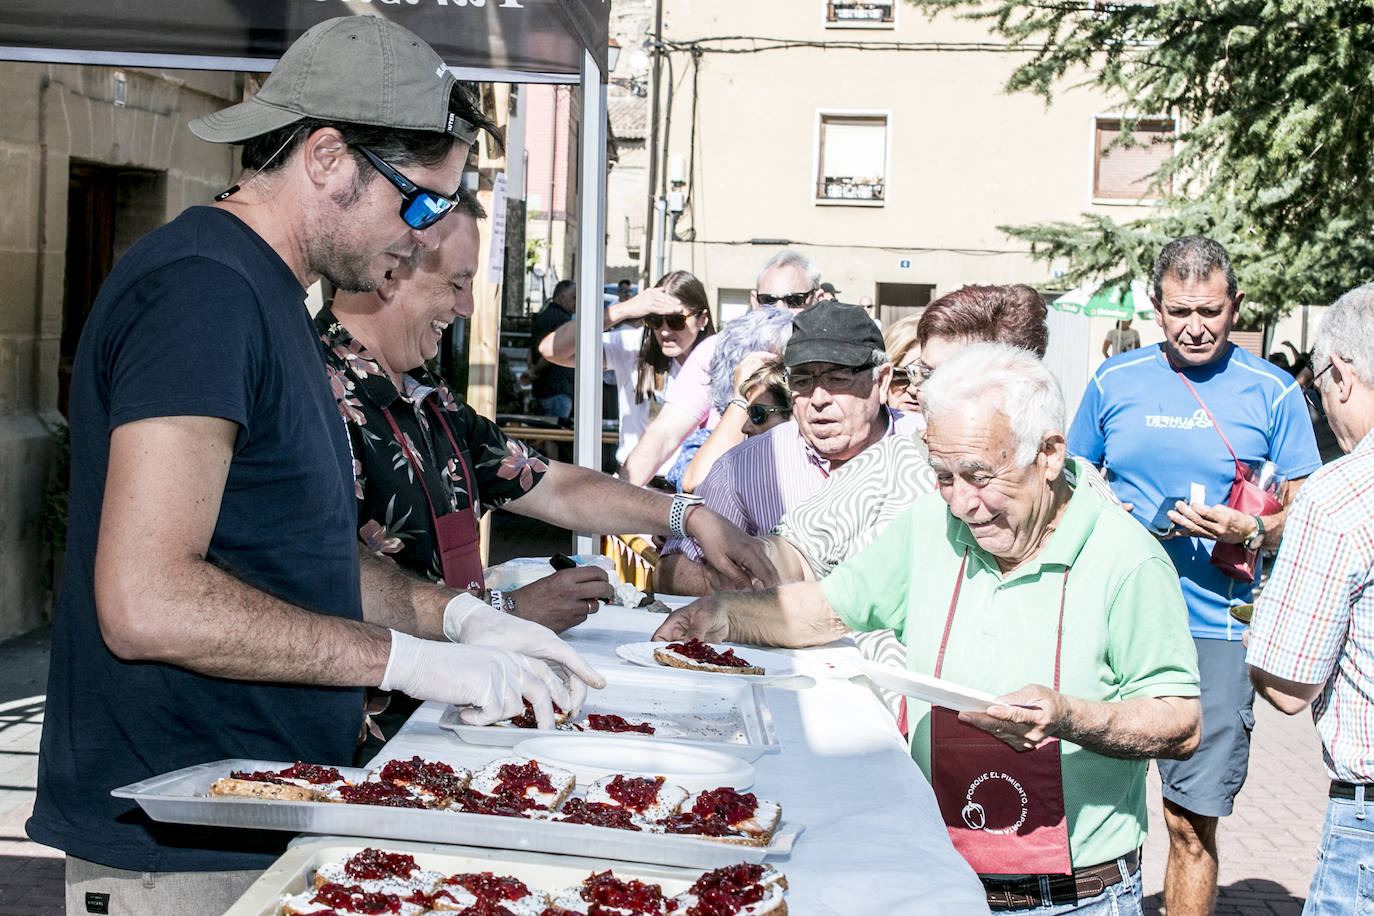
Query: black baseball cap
(832,332)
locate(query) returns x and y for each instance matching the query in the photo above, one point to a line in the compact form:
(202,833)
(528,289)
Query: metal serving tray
(295,870)
(724,714)
(181,797)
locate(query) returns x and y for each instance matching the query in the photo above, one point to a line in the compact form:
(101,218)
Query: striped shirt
(1314,622)
(754,483)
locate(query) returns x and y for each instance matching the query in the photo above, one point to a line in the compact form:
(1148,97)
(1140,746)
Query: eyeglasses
(420,207)
(675,322)
(912,374)
(758,413)
(791,300)
(836,381)
(1318,377)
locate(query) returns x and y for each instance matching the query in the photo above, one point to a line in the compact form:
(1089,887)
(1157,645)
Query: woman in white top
(678,315)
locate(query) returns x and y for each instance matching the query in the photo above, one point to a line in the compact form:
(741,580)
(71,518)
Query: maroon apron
(1003,808)
(455,533)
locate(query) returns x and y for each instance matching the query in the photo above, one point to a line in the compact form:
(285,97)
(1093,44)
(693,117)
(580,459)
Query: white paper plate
(774,664)
(923,687)
(591,757)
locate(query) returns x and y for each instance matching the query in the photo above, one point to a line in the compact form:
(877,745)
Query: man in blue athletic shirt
(214,604)
(1154,419)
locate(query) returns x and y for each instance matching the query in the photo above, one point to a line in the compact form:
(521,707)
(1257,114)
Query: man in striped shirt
(1313,636)
(838,373)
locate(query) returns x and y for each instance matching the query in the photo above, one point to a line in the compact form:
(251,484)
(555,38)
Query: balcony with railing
(859,12)
(851,189)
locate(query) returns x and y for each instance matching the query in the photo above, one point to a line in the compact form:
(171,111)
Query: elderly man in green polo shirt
(1016,581)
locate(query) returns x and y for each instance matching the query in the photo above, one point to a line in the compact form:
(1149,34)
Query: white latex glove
(470,621)
(492,684)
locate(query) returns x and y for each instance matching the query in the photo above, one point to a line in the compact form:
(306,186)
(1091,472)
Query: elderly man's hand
(737,560)
(1219,523)
(704,619)
(565,598)
(1025,719)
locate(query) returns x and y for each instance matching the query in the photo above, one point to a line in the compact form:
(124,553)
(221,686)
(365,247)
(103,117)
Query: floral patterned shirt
(393,511)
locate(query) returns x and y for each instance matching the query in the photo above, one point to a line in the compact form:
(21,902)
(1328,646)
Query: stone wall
(50,117)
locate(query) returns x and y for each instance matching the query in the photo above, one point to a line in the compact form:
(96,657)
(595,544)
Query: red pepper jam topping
(613,723)
(727,804)
(385,794)
(526,719)
(556,911)
(637,793)
(581,811)
(727,890)
(687,822)
(499,805)
(480,908)
(257,776)
(375,864)
(354,899)
(487,886)
(513,780)
(438,779)
(608,890)
(312,773)
(699,651)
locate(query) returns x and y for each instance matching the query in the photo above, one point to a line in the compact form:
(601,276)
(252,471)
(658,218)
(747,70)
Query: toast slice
(348,900)
(298,782)
(603,894)
(379,872)
(649,797)
(485,892)
(726,816)
(435,783)
(695,655)
(745,890)
(523,779)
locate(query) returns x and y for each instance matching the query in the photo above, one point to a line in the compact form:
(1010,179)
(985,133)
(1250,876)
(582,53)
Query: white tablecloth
(873,843)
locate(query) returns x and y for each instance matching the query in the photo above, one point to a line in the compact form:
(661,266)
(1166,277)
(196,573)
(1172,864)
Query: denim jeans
(1125,898)
(558,405)
(1344,882)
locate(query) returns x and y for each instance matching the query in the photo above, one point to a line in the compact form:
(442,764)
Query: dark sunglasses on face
(420,207)
(758,413)
(675,322)
(791,300)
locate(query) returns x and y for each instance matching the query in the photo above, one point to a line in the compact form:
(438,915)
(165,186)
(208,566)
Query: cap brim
(243,121)
(839,352)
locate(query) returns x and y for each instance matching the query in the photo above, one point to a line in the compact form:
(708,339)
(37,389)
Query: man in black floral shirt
(420,454)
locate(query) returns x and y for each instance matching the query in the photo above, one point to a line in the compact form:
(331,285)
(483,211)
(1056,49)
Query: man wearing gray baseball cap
(214,604)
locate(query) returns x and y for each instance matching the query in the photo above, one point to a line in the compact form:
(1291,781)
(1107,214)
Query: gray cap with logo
(352,69)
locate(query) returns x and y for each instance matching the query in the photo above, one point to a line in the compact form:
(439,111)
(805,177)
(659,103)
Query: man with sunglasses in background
(837,373)
(214,604)
(787,280)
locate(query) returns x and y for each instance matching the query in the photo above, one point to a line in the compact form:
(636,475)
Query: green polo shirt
(1125,634)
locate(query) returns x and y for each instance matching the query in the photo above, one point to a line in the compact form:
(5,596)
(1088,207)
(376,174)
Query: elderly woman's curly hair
(760,330)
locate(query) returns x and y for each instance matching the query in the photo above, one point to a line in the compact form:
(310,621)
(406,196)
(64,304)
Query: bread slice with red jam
(523,780)
(726,816)
(649,797)
(379,872)
(435,783)
(741,890)
(349,900)
(486,893)
(298,782)
(603,894)
(695,655)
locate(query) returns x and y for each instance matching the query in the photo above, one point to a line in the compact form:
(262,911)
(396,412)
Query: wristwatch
(677,514)
(502,601)
(1255,538)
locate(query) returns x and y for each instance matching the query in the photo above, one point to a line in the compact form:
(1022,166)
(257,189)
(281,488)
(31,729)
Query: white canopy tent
(513,41)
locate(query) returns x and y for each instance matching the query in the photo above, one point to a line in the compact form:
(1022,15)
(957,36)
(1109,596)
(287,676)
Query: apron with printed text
(1003,808)
(455,533)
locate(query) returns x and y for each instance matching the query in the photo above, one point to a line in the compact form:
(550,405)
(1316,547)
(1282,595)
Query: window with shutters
(841,14)
(1127,172)
(851,159)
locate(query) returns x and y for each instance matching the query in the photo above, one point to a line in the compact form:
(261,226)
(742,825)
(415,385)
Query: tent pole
(591,241)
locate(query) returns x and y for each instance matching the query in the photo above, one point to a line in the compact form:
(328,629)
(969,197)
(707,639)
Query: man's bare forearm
(198,617)
(793,616)
(585,500)
(398,600)
(1167,727)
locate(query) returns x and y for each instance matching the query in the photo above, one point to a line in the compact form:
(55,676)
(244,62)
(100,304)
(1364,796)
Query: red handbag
(1246,496)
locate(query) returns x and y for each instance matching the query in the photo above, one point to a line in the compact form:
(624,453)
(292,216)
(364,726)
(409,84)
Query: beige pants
(93,888)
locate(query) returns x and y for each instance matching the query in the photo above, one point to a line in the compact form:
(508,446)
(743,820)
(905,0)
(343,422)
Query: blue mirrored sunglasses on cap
(420,207)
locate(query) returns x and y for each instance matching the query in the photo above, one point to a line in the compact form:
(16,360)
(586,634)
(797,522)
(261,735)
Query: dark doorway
(107,210)
(898,300)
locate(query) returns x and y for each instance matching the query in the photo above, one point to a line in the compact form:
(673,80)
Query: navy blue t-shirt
(200,318)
